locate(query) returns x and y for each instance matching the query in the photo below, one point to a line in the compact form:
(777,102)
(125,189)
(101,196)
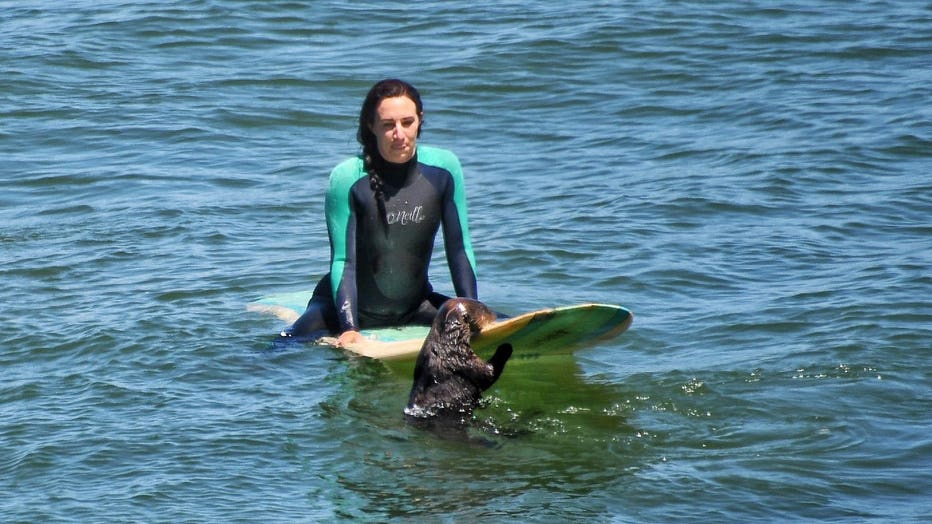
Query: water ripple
(748,178)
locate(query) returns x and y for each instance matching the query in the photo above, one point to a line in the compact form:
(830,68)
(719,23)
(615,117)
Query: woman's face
(395,126)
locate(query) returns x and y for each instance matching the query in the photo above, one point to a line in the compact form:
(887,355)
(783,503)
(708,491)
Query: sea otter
(448,376)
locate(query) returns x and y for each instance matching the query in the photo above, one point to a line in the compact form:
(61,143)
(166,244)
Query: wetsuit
(379,255)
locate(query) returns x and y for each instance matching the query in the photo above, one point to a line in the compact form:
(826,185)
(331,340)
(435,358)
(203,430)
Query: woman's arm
(458,247)
(341,228)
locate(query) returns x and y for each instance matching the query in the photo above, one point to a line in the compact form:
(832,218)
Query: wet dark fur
(449,377)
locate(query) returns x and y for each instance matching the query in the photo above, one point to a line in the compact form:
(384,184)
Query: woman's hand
(348,338)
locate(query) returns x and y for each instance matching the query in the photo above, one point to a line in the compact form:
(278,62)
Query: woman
(383,210)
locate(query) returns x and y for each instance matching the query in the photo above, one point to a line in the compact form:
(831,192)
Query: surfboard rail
(557,330)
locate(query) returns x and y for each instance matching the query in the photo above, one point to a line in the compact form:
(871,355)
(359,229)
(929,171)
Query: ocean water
(752,179)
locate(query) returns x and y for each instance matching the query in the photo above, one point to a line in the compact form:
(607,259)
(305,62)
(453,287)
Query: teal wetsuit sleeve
(341,228)
(460,256)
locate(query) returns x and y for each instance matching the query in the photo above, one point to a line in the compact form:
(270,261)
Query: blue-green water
(751,178)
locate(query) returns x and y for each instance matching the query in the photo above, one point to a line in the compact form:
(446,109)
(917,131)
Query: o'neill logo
(405,217)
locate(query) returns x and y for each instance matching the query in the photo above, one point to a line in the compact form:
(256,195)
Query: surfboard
(551,331)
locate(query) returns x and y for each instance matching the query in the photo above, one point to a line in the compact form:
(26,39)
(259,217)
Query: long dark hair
(372,160)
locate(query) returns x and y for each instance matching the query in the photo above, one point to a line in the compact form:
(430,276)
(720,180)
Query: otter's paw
(503,352)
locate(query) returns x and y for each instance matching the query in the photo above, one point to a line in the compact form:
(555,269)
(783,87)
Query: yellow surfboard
(560,330)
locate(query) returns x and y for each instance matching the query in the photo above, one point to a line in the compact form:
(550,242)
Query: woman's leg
(428,310)
(320,317)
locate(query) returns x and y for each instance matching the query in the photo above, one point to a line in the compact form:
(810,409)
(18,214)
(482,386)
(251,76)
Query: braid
(375,180)
(376,184)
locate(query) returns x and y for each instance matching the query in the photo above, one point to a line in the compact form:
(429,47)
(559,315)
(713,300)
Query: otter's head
(460,318)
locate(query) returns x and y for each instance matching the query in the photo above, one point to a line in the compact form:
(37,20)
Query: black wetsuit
(379,257)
